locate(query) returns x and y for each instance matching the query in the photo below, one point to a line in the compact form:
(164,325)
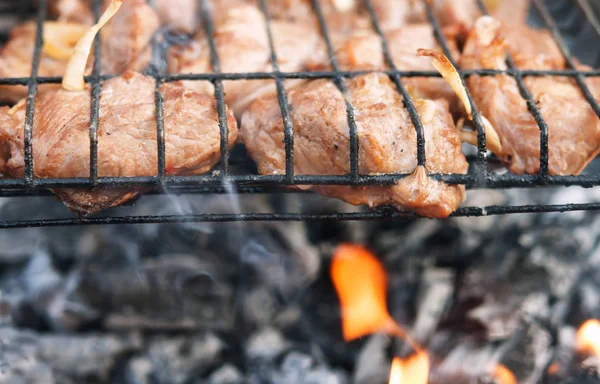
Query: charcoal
(227,374)
(85,358)
(295,365)
(176,360)
(584,376)
(260,306)
(20,246)
(32,357)
(138,370)
(300,368)
(466,361)
(19,361)
(174,291)
(528,353)
(266,344)
(437,289)
(372,365)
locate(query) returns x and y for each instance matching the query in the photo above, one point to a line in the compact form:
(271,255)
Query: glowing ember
(411,370)
(360,281)
(553,369)
(503,375)
(588,338)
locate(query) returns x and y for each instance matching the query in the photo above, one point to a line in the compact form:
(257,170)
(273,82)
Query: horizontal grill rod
(381,214)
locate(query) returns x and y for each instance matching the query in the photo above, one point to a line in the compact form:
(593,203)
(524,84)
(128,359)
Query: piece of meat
(533,48)
(78,11)
(573,127)
(242,46)
(16,58)
(126,38)
(179,15)
(363,51)
(387,142)
(465,12)
(127,137)
(125,46)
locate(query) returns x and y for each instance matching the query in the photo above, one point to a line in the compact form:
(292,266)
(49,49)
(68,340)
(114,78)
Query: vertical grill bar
(531,105)
(551,24)
(481,170)
(339,82)
(32,92)
(159,105)
(282,99)
(95,100)
(397,79)
(209,28)
(160,129)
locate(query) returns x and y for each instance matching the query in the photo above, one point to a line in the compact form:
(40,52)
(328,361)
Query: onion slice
(450,74)
(60,38)
(73,79)
(452,77)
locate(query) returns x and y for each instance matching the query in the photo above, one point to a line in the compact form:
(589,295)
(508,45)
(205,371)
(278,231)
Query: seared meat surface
(126,38)
(78,11)
(16,58)
(387,142)
(125,46)
(363,51)
(573,127)
(242,45)
(533,48)
(179,15)
(127,138)
(465,12)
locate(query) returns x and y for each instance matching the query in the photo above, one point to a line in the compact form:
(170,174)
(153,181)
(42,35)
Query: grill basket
(578,23)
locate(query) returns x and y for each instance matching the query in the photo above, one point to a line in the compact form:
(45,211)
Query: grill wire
(478,177)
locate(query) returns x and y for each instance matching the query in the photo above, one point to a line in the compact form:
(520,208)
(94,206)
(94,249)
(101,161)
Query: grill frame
(479,175)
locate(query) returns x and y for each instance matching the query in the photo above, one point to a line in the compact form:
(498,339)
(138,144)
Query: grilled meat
(126,38)
(243,46)
(363,51)
(573,127)
(533,48)
(127,137)
(125,46)
(387,142)
(78,11)
(465,12)
(179,15)
(16,58)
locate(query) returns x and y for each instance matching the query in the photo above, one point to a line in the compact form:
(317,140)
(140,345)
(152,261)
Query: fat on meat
(242,46)
(573,127)
(127,137)
(386,136)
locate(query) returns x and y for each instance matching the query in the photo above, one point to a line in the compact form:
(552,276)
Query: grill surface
(479,176)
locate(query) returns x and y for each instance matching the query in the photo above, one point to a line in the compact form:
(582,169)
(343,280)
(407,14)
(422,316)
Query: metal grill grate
(479,176)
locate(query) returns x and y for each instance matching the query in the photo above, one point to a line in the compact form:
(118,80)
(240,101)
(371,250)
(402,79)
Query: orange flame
(588,337)
(412,370)
(360,281)
(503,375)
